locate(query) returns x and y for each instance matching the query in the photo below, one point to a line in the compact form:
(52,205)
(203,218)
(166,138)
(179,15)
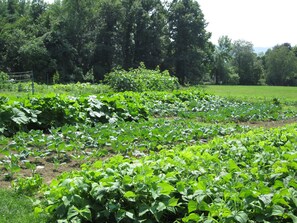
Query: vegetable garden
(150,156)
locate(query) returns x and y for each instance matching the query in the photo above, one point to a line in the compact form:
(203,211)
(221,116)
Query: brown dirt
(270,124)
(47,170)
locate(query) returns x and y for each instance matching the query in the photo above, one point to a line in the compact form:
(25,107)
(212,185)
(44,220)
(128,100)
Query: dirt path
(270,124)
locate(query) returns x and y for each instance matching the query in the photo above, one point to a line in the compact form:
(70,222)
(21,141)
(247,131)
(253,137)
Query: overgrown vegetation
(3,80)
(141,79)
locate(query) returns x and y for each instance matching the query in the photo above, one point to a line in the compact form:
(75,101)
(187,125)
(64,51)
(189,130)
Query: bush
(3,79)
(141,79)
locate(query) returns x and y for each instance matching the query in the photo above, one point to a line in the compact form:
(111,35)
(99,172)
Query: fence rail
(19,77)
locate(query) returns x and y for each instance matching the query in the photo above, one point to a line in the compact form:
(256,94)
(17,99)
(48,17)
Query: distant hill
(260,49)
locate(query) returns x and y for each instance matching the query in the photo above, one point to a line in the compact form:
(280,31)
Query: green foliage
(54,111)
(17,208)
(249,177)
(46,112)
(189,47)
(16,117)
(141,79)
(281,65)
(222,58)
(245,63)
(56,77)
(3,80)
(208,108)
(100,36)
(28,186)
(171,169)
(233,78)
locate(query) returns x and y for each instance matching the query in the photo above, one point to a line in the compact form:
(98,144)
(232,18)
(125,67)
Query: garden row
(46,112)
(246,177)
(83,143)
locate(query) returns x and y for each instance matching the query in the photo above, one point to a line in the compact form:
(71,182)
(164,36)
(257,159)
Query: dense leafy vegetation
(54,111)
(249,177)
(141,79)
(84,143)
(70,41)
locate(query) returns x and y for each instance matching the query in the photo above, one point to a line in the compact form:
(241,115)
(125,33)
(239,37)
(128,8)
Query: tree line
(235,62)
(83,40)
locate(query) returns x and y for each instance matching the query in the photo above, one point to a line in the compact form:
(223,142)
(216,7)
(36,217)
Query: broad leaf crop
(247,177)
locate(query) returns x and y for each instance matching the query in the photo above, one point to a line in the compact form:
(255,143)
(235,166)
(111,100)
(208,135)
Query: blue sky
(265,23)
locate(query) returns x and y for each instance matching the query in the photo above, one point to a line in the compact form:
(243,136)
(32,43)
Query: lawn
(254,92)
(15,208)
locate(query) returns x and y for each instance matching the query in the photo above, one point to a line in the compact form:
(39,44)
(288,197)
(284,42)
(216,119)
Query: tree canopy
(92,37)
(83,40)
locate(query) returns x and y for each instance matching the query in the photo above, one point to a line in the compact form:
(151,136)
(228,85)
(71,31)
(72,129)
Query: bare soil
(271,124)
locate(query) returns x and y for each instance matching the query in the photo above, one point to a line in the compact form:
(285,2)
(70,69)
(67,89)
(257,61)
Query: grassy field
(254,92)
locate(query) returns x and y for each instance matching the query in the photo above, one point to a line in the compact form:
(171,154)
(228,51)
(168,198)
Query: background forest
(83,40)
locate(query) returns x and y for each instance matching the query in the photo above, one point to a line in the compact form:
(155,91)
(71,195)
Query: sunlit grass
(16,208)
(254,92)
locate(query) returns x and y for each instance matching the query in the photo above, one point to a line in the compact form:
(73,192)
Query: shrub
(141,79)
(3,79)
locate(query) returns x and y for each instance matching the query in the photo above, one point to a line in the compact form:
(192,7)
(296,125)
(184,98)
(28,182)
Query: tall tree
(128,27)
(12,9)
(37,8)
(222,58)
(107,40)
(150,21)
(190,46)
(74,29)
(281,66)
(245,63)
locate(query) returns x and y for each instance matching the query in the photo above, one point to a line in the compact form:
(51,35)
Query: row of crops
(178,156)
(248,177)
(57,110)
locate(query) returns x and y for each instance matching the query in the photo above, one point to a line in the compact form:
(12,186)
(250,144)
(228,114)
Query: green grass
(16,208)
(288,94)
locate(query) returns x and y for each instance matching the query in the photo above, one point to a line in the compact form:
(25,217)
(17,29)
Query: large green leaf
(19,117)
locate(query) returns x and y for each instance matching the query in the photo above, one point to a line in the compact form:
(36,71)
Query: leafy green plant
(247,177)
(28,186)
(141,79)
(4,78)
(55,111)
(12,166)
